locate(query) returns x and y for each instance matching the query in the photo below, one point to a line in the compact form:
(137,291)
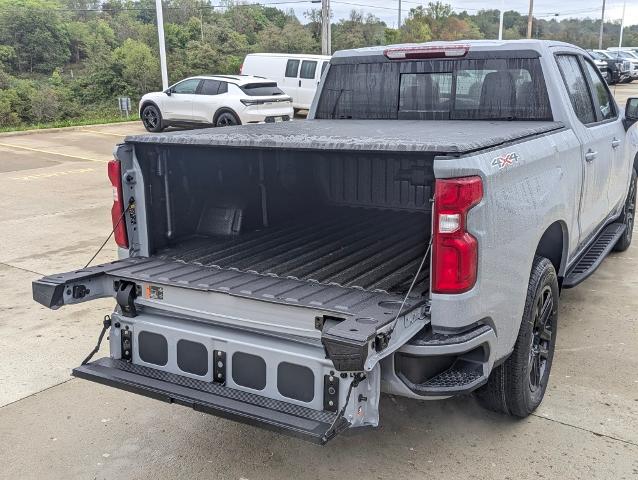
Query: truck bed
(438,136)
(368,249)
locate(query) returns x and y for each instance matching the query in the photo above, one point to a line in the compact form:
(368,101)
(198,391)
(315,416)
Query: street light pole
(326,40)
(602,28)
(622,23)
(530,19)
(500,22)
(162,44)
(399,17)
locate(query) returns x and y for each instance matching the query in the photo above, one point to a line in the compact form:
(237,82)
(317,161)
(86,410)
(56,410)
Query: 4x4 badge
(505,160)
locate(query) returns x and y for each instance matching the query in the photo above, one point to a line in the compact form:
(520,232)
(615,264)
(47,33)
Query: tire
(226,119)
(610,76)
(517,386)
(627,216)
(152,119)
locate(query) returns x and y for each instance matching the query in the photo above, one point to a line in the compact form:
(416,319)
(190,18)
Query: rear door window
(308,69)
(577,88)
(292,67)
(209,87)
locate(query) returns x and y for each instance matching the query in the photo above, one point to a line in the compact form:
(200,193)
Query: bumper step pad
(594,255)
(245,407)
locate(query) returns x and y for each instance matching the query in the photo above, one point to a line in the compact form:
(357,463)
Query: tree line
(71,59)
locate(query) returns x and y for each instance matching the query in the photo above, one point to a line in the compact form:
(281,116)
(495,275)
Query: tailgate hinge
(125,298)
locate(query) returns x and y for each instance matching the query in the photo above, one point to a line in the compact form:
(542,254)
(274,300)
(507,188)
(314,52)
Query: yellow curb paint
(9,145)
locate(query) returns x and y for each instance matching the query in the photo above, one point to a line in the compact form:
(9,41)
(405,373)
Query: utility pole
(326,40)
(622,23)
(500,22)
(602,28)
(530,18)
(162,44)
(399,18)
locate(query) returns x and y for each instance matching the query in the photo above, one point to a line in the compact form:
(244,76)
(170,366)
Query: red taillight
(454,250)
(117,210)
(427,51)
(241,69)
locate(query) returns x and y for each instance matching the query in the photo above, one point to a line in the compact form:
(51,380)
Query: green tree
(416,27)
(36,32)
(292,38)
(139,67)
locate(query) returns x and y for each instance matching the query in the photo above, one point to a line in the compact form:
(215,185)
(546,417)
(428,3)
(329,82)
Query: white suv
(218,100)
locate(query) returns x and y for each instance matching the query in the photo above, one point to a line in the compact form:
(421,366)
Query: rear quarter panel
(520,202)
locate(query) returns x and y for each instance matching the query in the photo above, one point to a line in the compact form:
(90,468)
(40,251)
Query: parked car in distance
(218,100)
(616,71)
(297,75)
(624,56)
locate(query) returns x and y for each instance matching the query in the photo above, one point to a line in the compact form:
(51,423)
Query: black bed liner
(376,250)
(441,136)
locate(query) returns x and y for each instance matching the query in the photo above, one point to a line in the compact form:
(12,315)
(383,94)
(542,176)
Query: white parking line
(9,145)
(104,133)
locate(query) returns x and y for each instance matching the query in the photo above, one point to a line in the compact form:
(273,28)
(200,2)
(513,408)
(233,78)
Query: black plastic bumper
(298,421)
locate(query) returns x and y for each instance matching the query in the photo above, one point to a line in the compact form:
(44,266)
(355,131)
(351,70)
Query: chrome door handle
(615,143)
(590,155)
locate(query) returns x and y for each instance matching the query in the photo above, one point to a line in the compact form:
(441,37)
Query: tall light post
(162,45)
(500,22)
(326,37)
(530,19)
(602,27)
(399,17)
(622,23)
(326,40)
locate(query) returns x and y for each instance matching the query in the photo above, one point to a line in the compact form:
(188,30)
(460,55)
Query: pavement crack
(35,393)
(21,268)
(598,434)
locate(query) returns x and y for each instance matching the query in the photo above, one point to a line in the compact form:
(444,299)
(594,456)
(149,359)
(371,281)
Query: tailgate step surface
(212,398)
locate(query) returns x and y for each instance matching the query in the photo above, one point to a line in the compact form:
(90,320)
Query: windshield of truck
(466,89)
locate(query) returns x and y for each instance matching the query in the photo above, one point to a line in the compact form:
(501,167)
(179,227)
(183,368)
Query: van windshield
(261,89)
(466,89)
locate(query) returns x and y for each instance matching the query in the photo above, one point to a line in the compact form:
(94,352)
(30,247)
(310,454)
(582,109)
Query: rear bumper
(215,399)
(440,366)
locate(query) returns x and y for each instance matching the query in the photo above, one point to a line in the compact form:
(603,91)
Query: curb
(63,129)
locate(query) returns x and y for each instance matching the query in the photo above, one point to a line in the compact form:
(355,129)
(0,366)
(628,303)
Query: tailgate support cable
(106,324)
(405,298)
(117,224)
(332,430)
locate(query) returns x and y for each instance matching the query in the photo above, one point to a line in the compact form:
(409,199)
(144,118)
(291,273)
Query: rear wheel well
(551,246)
(225,110)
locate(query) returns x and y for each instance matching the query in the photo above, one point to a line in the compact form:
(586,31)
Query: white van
(297,75)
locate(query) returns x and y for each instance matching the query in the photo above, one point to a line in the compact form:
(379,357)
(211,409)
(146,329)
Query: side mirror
(631,112)
(168,92)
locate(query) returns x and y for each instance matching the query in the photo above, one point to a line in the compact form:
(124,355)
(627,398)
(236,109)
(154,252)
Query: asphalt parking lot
(56,213)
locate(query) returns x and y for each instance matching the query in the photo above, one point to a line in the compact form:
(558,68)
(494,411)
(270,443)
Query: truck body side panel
(521,200)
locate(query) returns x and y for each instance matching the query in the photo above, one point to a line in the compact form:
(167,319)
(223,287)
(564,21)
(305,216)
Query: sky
(387,10)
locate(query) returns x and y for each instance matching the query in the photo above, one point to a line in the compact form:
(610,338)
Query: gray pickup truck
(411,237)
